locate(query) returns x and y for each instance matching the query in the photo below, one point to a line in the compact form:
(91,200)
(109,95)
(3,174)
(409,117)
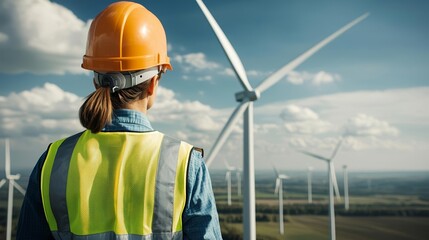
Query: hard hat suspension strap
(121,80)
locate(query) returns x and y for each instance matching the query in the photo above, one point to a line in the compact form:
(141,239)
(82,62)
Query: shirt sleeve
(200,217)
(32,223)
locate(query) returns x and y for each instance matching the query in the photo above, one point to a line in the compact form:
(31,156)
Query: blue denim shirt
(200,217)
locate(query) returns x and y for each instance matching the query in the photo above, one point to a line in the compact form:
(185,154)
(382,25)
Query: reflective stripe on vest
(115,185)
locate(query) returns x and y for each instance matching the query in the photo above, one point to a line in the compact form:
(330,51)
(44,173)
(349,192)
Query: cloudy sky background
(371,83)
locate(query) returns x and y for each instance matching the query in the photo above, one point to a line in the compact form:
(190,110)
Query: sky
(371,83)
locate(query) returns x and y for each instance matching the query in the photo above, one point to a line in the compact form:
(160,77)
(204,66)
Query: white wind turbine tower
(245,108)
(12,184)
(333,185)
(346,188)
(309,187)
(279,190)
(229,169)
(238,175)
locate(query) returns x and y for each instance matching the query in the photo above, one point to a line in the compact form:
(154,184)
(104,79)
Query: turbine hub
(249,95)
(13,177)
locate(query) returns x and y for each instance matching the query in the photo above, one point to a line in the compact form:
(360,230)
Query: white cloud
(207,78)
(311,142)
(194,115)
(251,73)
(295,113)
(46,110)
(41,115)
(255,73)
(406,106)
(323,77)
(195,62)
(39,36)
(53,111)
(373,142)
(265,128)
(373,118)
(228,72)
(319,78)
(303,120)
(364,125)
(309,127)
(48,113)
(3,37)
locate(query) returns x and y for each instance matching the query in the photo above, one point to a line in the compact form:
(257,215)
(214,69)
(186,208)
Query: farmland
(392,205)
(306,227)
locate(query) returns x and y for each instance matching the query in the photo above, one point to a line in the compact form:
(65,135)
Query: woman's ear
(152,85)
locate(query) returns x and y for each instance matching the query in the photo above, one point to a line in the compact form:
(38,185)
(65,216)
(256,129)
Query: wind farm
(254,85)
(245,109)
(370,216)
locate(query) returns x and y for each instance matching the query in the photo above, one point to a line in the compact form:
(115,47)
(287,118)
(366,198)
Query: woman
(120,179)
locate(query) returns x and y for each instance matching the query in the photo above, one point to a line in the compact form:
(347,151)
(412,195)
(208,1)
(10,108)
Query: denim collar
(126,120)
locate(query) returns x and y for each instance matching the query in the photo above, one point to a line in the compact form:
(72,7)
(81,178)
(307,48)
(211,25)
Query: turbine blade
(276,190)
(7,158)
(337,147)
(226,131)
(334,181)
(232,55)
(314,155)
(2,182)
(279,74)
(19,188)
(275,171)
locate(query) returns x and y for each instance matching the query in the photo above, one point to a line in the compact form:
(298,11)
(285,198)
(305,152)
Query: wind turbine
(229,170)
(310,192)
(333,185)
(238,175)
(346,188)
(279,190)
(245,108)
(12,184)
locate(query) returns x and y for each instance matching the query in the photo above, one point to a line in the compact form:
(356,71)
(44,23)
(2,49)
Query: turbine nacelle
(282,176)
(247,95)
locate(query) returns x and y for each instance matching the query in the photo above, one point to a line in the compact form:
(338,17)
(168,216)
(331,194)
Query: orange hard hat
(125,37)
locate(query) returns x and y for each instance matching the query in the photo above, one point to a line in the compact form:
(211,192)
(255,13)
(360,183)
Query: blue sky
(371,82)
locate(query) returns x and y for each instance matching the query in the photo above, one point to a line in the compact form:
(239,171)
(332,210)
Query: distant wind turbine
(333,185)
(245,108)
(279,190)
(12,184)
(229,169)
(238,175)
(346,188)
(310,193)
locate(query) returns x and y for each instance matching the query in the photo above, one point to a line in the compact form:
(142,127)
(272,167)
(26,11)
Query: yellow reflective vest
(115,185)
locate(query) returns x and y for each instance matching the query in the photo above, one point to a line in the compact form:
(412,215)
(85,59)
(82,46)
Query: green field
(350,228)
(394,206)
